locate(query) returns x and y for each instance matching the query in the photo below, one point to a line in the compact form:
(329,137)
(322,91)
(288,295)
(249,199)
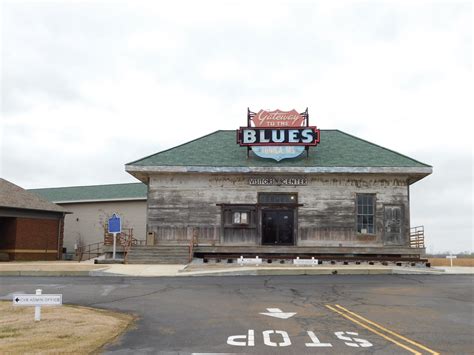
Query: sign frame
(277,181)
(314,142)
(38,295)
(115,217)
(37,300)
(279,120)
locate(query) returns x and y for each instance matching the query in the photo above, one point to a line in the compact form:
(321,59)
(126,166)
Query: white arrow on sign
(278,313)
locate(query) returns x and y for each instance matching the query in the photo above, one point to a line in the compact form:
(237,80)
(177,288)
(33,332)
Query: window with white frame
(240,218)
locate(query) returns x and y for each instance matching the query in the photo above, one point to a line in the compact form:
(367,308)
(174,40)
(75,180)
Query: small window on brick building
(365,213)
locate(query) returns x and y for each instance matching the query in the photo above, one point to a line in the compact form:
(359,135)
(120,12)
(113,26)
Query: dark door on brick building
(277,227)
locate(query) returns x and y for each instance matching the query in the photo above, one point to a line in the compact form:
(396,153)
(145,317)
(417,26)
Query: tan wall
(88,219)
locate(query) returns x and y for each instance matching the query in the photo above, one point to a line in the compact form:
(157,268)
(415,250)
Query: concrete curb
(56,273)
(256,271)
(296,272)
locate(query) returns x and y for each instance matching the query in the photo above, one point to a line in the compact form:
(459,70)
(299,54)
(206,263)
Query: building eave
(101,200)
(140,172)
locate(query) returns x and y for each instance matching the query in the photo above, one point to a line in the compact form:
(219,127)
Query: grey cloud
(51,50)
(443,202)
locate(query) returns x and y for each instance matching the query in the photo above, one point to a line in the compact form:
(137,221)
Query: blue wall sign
(115,224)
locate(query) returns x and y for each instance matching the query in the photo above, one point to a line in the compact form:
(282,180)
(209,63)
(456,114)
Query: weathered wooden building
(345,196)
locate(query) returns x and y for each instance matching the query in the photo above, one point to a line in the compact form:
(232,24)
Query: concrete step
(160,247)
(164,257)
(159,254)
(167,251)
(157,260)
(150,255)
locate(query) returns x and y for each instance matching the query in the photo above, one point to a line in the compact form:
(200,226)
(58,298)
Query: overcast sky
(88,86)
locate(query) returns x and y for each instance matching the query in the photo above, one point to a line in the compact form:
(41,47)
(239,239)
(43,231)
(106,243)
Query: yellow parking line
(413,351)
(389,331)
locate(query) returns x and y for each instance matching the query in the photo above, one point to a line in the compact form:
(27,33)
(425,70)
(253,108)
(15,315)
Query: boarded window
(393,221)
(365,213)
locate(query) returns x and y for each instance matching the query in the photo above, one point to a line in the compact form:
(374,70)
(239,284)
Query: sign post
(451,257)
(38,300)
(38,308)
(115,227)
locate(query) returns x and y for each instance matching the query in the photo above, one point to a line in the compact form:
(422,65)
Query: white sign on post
(311,261)
(246,261)
(451,257)
(37,301)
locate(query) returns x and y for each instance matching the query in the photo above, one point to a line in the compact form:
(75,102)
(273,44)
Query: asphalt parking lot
(333,314)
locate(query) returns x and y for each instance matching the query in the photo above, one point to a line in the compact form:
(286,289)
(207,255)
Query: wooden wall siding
(239,236)
(180,205)
(183,234)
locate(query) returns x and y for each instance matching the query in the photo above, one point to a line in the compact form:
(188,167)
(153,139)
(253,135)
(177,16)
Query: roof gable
(13,196)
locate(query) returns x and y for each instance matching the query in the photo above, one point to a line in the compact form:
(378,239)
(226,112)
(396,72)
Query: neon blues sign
(278,134)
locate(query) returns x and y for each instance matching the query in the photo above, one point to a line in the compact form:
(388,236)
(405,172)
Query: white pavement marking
(240,340)
(315,341)
(107,289)
(278,313)
(353,342)
(284,335)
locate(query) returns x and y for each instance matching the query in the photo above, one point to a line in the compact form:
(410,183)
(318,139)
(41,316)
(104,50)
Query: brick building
(31,228)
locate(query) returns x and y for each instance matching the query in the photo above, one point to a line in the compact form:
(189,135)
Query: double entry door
(277,227)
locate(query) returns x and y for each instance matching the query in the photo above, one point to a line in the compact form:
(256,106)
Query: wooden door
(277,227)
(393,222)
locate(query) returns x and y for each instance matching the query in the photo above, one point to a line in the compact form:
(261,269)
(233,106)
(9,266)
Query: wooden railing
(417,237)
(125,240)
(122,238)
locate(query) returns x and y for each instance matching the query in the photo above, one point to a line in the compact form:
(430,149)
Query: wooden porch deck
(349,251)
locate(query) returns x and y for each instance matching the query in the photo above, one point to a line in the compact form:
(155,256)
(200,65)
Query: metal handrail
(94,249)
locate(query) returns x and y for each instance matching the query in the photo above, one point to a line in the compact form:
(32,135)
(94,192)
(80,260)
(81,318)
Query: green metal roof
(114,192)
(336,149)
